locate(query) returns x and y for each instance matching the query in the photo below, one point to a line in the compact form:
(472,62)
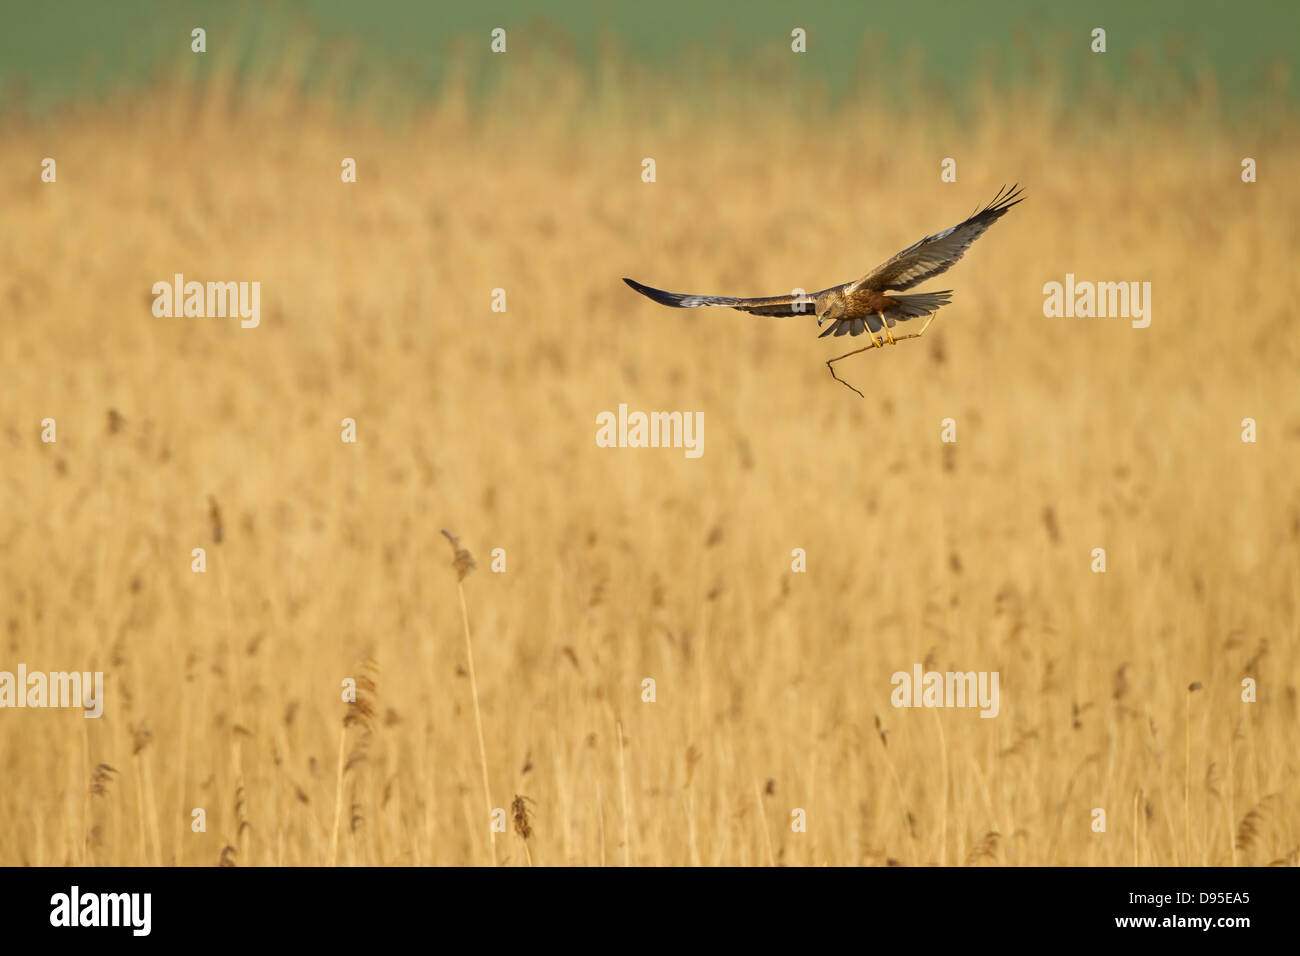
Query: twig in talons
(878,344)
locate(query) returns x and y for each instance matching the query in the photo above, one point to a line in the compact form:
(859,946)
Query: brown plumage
(862,305)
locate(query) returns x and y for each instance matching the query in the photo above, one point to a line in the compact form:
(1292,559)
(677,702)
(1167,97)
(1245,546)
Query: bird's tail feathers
(912,306)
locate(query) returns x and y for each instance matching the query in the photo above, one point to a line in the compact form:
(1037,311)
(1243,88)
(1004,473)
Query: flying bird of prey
(862,305)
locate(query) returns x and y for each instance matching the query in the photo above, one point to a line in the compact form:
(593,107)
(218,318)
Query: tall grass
(623,565)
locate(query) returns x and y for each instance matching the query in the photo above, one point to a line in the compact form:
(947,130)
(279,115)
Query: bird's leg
(889,333)
(919,332)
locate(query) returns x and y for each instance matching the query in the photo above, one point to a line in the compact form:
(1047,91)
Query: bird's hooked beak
(820,320)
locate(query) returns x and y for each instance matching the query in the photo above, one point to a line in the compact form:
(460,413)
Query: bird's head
(828,311)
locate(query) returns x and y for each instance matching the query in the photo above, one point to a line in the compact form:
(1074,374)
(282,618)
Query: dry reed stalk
(1252,824)
(986,849)
(943,815)
(85,799)
(622,774)
(141,737)
(762,821)
(600,822)
(523,825)
(236,744)
(463,562)
(1187,772)
(898,785)
(360,713)
(1137,800)
(338,797)
(1232,791)
(100,779)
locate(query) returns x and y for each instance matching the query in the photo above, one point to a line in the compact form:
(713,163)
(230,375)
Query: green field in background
(55,51)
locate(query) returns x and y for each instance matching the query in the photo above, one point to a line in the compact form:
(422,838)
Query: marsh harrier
(862,306)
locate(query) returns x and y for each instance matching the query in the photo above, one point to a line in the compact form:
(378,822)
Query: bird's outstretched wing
(937,253)
(772,305)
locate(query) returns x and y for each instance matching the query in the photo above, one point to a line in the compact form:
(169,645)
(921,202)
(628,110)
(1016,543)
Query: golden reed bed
(772,687)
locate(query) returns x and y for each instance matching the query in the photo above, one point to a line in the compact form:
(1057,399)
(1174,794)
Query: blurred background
(522,171)
(1158,52)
